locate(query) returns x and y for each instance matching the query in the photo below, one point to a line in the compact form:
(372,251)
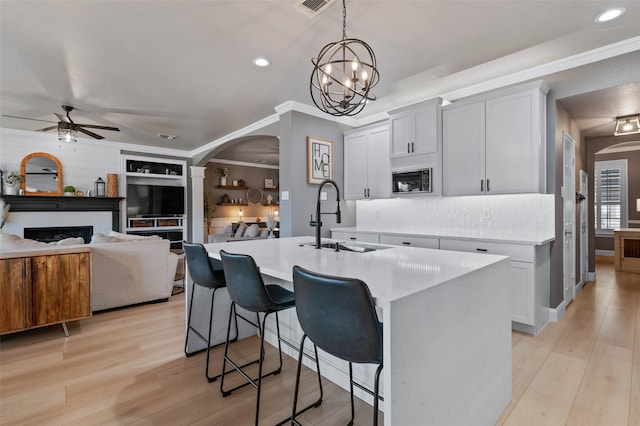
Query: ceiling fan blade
(93,135)
(91,126)
(46,129)
(26,118)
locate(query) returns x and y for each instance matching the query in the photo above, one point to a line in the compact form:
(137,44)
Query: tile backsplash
(527,217)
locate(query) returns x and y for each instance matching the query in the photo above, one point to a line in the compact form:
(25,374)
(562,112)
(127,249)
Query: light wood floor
(127,367)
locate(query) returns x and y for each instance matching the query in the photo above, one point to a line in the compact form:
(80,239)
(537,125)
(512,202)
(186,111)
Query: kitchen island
(447,326)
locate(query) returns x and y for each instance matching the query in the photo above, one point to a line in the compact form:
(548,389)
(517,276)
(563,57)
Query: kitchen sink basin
(353,247)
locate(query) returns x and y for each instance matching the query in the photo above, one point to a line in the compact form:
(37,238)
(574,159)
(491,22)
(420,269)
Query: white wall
(525,217)
(82,162)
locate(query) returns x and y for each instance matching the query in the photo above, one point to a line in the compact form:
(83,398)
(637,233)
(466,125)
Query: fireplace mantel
(25,203)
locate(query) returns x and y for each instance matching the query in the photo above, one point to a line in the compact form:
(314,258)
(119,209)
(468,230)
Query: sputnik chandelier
(344,74)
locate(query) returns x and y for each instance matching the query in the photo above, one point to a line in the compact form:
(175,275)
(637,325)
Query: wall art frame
(319,160)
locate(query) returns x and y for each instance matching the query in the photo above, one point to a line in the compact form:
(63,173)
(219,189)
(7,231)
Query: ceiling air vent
(312,8)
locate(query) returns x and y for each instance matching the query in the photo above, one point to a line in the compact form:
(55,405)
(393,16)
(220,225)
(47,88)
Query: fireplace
(57,233)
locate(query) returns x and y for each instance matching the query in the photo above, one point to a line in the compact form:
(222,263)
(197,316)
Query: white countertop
(391,274)
(491,238)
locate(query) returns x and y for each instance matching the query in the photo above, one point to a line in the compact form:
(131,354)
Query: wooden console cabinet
(39,290)
(627,249)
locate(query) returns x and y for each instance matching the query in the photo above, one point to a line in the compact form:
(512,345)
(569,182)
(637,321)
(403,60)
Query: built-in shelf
(271,189)
(237,187)
(233,204)
(271,205)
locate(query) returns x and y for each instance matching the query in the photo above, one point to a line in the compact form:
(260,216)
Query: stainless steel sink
(353,247)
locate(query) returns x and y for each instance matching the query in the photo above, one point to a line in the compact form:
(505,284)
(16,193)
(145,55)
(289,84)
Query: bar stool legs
(257,382)
(197,333)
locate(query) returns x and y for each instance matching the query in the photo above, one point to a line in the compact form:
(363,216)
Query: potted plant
(69,190)
(11,182)
(223,172)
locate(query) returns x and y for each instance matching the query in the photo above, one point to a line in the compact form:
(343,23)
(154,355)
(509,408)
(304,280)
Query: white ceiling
(184,67)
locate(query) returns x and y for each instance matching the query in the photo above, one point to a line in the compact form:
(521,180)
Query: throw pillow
(101,238)
(70,241)
(123,237)
(240,230)
(252,231)
(264,233)
(13,242)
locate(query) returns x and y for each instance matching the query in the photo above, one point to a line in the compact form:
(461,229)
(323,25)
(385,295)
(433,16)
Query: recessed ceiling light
(610,14)
(261,62)
(169,137)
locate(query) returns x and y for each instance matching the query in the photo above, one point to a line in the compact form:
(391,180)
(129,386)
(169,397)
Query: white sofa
(131,272)
(125,270)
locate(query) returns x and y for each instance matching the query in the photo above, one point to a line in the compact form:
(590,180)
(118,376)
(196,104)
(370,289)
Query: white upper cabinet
(495,143)
(415,129)
(367,170)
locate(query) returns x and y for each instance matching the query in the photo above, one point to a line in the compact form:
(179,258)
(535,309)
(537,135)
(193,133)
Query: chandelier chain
(344,19)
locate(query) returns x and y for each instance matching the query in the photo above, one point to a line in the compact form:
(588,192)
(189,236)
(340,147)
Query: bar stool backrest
(202,268)
(245,284)
(338,315)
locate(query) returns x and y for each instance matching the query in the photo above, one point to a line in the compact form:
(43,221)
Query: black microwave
(411,182)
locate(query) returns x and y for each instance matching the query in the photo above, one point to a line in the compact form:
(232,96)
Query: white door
(584,235)
(569,215)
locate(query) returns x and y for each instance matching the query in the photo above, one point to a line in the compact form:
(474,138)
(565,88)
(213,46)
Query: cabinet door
(401,134)
(355,166)
(14,306)
(60,288)
(379,167)
(355,236)
(463,149)
(425,122)
(522,293)
(398,240)
(511,145)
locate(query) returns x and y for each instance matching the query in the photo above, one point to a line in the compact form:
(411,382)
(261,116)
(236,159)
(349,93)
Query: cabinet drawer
(517,252)
(398,240)
(355,236)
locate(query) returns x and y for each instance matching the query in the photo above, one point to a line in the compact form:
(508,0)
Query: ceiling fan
(66,124)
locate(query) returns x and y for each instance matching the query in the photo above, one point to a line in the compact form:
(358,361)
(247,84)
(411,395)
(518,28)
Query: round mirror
(42,174)
(254,195)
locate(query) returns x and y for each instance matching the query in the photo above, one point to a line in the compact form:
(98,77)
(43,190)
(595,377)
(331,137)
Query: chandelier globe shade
(343,75)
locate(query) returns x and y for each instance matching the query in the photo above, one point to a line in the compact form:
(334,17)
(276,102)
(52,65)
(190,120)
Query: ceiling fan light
(67,133)
(627,125)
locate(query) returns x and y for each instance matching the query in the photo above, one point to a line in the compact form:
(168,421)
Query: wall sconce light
(240,214)
(627,125)
(638,205)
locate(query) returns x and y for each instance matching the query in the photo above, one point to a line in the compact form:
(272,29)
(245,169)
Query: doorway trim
(568,217)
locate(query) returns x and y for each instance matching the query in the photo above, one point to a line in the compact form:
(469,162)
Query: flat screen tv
(154,200)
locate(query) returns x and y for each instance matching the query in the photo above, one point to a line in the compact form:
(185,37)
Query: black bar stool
(339,316)
(248,291)
(208,274)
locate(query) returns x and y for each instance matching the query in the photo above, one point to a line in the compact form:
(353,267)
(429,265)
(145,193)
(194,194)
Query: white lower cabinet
(530,276)
(363,237)
(410,241)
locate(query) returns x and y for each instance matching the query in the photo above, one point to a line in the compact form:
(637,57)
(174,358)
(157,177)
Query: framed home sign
(319,159)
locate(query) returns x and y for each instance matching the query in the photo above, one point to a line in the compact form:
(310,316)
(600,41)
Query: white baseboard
(556,314)
(605,253)
(591,276)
